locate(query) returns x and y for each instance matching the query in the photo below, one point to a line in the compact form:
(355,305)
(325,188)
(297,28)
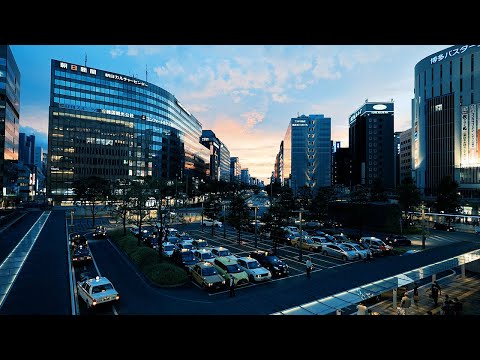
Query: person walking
(446,308)
(309,266)
(415,294)
(405,303)
(435,289)
(232,286)
(362,309)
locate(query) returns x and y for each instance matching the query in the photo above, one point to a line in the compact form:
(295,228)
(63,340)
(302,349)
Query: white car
(208,222)
(221,251)
(168,249)
(363,251)
(376,245)
(96,291)
(339,251)
(204,255)
(254,270)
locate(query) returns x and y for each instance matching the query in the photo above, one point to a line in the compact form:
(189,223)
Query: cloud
(132,51)
(280,98)
(35,117)
(252,118)
(199,108)
(116,52)
(325,68)
(172,68)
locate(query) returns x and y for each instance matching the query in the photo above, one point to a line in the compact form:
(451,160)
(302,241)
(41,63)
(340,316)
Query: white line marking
(13,264)
(114,310)
(71,276)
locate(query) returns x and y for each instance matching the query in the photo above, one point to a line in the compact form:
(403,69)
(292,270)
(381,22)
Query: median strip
(11,266)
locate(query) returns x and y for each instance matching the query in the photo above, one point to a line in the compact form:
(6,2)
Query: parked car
(446,227)
(341,238)
(397,240)
(81,254)
(185,245)
(227,267)
(209,222)
(95,291)
(184,258)
(204,255)
(376,246)
(151,241)
(200,244)
(307,244)
(313,223)
(100,232)
(207,276)
(340,251)
(320,240)
(221,251)
(271,262)
(363,251)
(254,270)
(168,249)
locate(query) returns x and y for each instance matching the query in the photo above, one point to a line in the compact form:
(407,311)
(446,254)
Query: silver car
(339,251)
(363,251)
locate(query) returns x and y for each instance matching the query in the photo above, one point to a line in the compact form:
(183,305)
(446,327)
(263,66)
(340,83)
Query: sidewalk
(467,290)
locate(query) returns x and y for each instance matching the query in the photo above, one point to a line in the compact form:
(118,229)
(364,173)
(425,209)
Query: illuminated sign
(205,139)
(157,121)
(451,53)
(354,116)
(299,125)
(124,78)
(464,134)
(379,107)
(83,69)
(117,113)
(181,107)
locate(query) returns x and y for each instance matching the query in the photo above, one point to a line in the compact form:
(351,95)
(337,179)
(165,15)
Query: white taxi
(96,291)
(254,270)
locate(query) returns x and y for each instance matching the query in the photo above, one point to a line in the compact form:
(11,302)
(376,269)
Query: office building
(224,162)
(279,166)
(245,176)
(9,124)
(371,144)
(116,127)
(235,169)
(445,120)
(405,154)
(307,152)
(396,152)
(342,167)
(26,148)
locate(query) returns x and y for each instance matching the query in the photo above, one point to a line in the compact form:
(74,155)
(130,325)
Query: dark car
(100,232)
(77,240)
(269,261)
(397,240)
(151,241)
(446,227)
(184,258)
(81,254)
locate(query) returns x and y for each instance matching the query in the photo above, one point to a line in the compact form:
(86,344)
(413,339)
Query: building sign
(157,121)
(472,133)
(181,107)
(379,107)
(205,139)
(445,54)
(295,124)
(117,113)
(464,142)
(124,78)
(354,116)
(83,69)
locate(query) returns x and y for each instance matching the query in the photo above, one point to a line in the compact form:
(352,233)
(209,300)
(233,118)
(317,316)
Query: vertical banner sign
(478,136)
(464,134)
(472,136)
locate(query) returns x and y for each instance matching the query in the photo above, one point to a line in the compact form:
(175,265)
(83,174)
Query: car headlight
(209,284)
(258,275)
(223,281)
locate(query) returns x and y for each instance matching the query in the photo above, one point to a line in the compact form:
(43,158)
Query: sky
(246,94)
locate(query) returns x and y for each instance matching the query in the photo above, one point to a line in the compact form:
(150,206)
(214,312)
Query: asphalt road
(42,286)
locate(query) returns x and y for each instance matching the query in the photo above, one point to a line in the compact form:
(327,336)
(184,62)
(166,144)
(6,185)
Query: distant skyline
(246,94)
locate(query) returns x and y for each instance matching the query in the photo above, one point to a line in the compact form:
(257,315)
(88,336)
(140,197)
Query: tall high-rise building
(9,123)
(26,149)
(212,143)
(307,152)
(371,144)
(405,154)
(116,127)
(224,162)
(342,167)
(279,166)
(38,158)
(245,176)
(396,152)
(445,120)
(235,169)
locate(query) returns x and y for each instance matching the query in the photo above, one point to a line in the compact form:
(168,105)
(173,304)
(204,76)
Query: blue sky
(246,94)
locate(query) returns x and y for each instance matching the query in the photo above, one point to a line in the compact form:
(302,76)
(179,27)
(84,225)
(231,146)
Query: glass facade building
(116,127)
(235,169)
(445,123)
(224,163)
(307,154)
(371,143)
(9,122)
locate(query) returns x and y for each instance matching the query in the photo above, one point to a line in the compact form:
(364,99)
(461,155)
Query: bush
(144,256)
(166,274)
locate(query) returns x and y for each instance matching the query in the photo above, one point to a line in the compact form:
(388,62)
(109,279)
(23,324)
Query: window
(461,84)
(450,68)
(471,82)
(461,67)
(471,98)
(432,73)
(450,86)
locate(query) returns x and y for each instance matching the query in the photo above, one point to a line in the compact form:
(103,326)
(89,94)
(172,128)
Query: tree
(121,200)
(140,195)
(212,207)
(448,199)
(359,195)
(304,196)
(319,205)
(408,195)
(377,191)
(90,191)
(238,213)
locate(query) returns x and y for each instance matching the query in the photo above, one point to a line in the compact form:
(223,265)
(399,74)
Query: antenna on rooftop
(146,73)
(85,59)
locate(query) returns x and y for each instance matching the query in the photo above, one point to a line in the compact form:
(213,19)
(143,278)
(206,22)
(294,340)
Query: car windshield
(101,288)
(346,247)
(224,253)
(234,268)
(272,258)
(359,247)
(208,255)
(253,265)
(209,271)
(168,248)
(202,244)
(188,256)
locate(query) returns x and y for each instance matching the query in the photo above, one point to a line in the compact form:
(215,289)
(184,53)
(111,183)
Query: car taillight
(94,302)
(117,297)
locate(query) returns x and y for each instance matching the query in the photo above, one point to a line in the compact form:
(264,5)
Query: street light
(201,224)
(224,228)
(423,225)
(255,208)
(301,233)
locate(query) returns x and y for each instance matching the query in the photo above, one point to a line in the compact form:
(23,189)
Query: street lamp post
(224,223)
(256,207)
(301,234)
(201,224)
(423,225)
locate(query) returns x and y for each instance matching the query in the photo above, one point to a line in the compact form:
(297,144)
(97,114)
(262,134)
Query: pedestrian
(446,308)
(415,294)
(309,266)
(405,303)
(457,307)
(435,289)
(232,286)
(362,309)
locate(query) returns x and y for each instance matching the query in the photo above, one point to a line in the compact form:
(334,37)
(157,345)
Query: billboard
(470,136)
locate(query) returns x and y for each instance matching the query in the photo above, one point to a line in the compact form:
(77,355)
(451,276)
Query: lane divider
(71,275)
(12,265)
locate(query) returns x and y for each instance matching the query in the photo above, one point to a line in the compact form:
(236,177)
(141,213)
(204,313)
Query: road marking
(13,264)
(114,310)
(71,276)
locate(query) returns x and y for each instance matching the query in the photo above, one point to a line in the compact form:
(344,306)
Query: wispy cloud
(116,51)
(252,118)
(34,116)
(172,68)
(199,108)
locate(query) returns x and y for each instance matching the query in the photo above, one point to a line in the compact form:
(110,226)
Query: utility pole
(423,225)
(224,223)
(301,233)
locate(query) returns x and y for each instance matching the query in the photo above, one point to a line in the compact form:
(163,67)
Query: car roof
(220,248)
(202,251)
(204,264)
(99,280)
(225,260)
(247,259)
